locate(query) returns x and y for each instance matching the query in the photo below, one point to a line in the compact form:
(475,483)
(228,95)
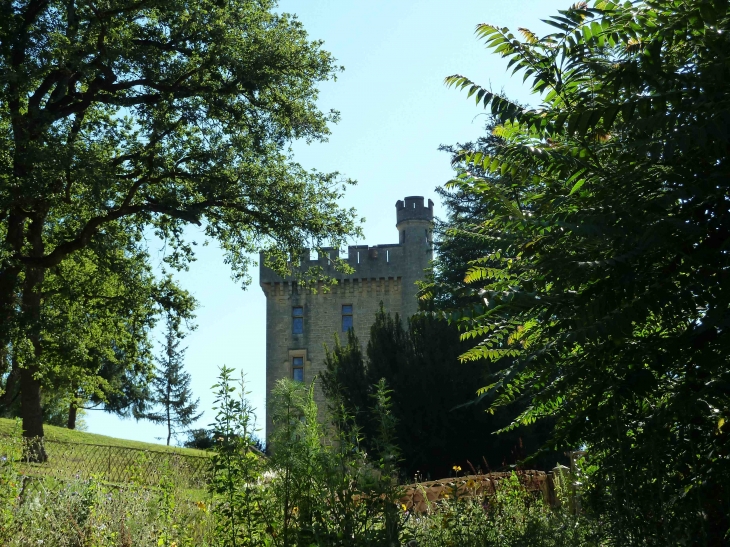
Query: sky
(395,112)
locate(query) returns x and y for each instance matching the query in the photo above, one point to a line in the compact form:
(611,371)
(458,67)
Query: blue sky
(396,111)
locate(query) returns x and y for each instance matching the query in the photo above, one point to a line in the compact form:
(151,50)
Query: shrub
(513,516)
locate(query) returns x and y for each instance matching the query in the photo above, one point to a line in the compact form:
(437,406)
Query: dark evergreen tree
(171,394)
(435,428)
(343,381)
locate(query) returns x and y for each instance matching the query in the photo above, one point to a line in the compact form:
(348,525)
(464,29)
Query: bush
(513,516)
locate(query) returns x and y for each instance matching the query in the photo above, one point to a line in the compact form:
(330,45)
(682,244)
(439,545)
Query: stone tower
(299,322)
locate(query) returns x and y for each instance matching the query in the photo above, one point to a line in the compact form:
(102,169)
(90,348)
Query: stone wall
(322,322)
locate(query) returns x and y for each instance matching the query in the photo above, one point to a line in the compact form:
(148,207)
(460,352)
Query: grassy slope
(54,433)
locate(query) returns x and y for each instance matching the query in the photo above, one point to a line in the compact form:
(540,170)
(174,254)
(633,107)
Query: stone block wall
(322,321)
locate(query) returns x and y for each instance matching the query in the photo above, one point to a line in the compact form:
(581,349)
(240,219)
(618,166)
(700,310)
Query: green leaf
(577,186)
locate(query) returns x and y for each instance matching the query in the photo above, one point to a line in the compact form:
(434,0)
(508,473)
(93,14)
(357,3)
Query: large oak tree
(128,117)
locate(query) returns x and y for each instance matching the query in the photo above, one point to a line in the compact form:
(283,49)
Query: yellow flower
(403,507)
(201,506)
(457,468)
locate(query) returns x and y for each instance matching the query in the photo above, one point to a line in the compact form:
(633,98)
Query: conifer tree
(172,397)
(435,427)
(343,380)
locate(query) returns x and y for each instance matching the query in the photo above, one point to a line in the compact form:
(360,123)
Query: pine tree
(172,399)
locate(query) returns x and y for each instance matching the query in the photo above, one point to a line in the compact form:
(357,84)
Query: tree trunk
(32,413)
(72,411)
(30,385)
(169,421)
(8,299)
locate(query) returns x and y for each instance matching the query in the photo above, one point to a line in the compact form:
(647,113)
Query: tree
(457,239)
(435,427)
(610,301)
(343,381)
(171,392)
(96,337)
(128,118)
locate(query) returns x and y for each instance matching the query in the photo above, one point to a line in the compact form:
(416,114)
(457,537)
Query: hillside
(62,434)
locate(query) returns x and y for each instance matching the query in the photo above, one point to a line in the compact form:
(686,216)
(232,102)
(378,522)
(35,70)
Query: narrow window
(346,317)
(297,320)
(387,255)
(358,257)
(297,369)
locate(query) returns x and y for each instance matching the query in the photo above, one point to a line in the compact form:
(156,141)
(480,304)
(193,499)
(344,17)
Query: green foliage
(237,469)
(90,513)
(511,517)
(318,488)
(133,118)
(344,383)
(435,426)
(82,513)
(606,299)
(11,481)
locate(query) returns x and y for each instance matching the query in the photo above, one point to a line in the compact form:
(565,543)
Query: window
(297,369)
(346,317)
(297,320)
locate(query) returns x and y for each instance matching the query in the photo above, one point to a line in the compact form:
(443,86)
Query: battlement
(412,208)
(372,262)
(369,262)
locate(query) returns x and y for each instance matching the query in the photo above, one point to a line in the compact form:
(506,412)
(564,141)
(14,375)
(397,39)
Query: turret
(415,234)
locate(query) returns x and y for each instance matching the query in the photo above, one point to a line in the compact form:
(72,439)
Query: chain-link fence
(116,464)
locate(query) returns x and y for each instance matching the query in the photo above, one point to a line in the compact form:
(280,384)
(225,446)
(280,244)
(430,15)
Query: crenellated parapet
(412,208)
(368,262)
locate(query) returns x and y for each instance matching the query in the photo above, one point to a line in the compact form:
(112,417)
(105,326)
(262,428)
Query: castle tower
(299,322)
(415,235)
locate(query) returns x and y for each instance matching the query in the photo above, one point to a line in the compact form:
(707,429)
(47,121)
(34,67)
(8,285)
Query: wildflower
(201,506)
(403,507)
(456,468)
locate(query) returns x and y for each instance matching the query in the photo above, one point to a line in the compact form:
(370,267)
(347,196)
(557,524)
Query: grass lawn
(62,434)
(77,454)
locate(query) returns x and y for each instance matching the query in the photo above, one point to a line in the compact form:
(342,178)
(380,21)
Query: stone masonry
(382,273)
